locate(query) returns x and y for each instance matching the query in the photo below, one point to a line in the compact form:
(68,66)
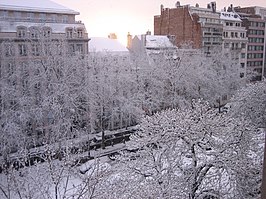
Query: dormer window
(69,32)
(65,19)
(47,31)
(34,32)
(21,32)
(80,33)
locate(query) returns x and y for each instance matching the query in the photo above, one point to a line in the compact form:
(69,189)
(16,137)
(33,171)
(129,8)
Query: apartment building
(200,27)
(234,39)
(36,38)
(254,19)
(27,22)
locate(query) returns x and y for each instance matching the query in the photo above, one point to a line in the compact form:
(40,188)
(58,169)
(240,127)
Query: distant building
(35,34)
(108,50)
(239,32)
(254,19)
(234,39)
(26,22)
(147,47)
(199,26)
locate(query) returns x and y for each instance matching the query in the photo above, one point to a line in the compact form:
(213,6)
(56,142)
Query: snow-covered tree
(190,153)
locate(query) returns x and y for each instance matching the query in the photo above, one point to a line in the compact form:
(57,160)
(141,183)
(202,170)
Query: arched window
(80,32)
(47,31)
(34,32)
(21,31)
(69,32)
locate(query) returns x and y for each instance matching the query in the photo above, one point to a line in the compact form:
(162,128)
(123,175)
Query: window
(243,55)
(21,32)
(3,14)
(69,33)
(80,48)
(22,49)
(9,48)
(54,17)
(17,15)
(236,34)
(226,45)
(42,17)
(80,33)
(10,68)
(71,49)
(47,32)
(35,48)
(242,65)
(232,34)
(242,75)
(34,32)
(30,15)
(65,19)
(47,49)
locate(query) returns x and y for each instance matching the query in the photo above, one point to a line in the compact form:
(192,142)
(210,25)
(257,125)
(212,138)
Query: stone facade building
(254,20)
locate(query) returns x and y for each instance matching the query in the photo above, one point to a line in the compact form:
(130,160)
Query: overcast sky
(102,17)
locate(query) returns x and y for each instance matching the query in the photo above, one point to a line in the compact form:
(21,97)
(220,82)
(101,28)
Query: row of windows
(237,24)
(235,45)
(256,32)
(257,24)
(255,55)
(255,48)
(213,30)
(254,63)
(214,39)
(31,16)
(234,34)
(36,32)
(209,20)
(255,40)
(36,49)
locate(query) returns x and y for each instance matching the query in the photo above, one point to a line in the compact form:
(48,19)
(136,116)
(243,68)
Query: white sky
(102,17)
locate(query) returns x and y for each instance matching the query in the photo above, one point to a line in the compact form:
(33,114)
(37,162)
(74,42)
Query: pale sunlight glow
(103,17)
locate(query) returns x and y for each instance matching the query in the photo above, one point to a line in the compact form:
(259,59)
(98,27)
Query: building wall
(179,22)
(254,19)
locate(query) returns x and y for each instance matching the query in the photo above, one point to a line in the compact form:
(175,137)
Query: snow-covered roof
(158,41)
(102,44)
(230,16)
(35,6)
(6,26)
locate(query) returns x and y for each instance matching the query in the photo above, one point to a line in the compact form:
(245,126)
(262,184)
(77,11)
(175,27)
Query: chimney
(213,6)
(162,8)
(112,36)
(177,4)
(148,32)
(143,40)
(129,40)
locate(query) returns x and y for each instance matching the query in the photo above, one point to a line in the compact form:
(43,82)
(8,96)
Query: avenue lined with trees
(185,148)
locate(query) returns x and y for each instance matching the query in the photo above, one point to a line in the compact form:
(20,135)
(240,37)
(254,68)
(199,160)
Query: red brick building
(179,22)
(201,27)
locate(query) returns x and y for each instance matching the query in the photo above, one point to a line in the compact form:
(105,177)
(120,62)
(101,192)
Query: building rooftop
(46,6)
(158,41)
(230,16)
(102,44)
